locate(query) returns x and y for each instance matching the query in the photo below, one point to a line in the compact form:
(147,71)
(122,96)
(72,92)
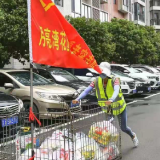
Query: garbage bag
(110,152)
(25,141)
(39,154)
(103,132)
(85,148)
(27,154)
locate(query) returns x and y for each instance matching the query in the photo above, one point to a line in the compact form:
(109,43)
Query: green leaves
(120,40)
(97,37)
(13,30)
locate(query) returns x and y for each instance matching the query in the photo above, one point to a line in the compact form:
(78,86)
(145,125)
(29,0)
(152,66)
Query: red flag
(53,41)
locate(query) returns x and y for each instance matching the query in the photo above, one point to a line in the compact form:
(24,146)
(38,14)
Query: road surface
(144,119)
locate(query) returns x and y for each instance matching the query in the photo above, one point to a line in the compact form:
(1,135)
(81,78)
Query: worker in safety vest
(110,98)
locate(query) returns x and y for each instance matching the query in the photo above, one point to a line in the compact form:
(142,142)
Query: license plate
(9,121)
(140,91)
(134,91)
(149,88)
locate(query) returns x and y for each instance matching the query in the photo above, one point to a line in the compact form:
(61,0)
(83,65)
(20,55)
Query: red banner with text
(54,41)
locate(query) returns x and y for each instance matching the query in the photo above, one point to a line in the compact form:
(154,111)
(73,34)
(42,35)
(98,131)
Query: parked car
(83,74)
(10,107)
(155,81)
(145,83)
(49,98)
(91,74)
(136,84)
(63,77)
(147,68)
(158,69)
(130,87)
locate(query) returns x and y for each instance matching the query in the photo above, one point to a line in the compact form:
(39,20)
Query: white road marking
(152,95)
(132,102)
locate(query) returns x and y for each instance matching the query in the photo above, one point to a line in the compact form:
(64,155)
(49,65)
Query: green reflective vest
(118,106)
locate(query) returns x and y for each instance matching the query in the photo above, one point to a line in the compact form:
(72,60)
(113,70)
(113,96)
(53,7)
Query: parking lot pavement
(143,118)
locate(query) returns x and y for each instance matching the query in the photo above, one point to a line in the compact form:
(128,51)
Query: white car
(131,72)
(148,69)
(155,83)
(91,74)
(127,84)
(135,85)
(135,74)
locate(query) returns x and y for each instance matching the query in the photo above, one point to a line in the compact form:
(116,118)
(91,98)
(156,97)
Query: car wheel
(27,106)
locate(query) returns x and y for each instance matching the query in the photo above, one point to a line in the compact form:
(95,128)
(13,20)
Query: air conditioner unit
(104,1)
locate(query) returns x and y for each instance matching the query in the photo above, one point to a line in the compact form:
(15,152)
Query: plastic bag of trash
(110,152)
(39,154)
(25,141)
(51,143)
(43,154)
(27,154)
(54,142)
(85,148)
(103,132)
(67,134)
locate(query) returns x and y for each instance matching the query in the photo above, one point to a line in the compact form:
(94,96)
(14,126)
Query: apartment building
(139,11)
(153,14)
(103,10)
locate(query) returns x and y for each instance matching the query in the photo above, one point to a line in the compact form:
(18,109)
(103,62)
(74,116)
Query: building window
(114,1)
(139,12)
(155,18)
(86,11)
(59,2)
(103,16)
(76,8)
(125,3)
(154,3)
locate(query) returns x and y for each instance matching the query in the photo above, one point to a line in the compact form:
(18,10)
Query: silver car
(49,98)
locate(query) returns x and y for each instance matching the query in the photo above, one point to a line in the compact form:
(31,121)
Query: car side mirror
(125,71)
(8,86)
(89,75)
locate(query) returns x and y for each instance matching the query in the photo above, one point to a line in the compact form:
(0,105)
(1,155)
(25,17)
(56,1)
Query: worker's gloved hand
(108,103)
(74,103)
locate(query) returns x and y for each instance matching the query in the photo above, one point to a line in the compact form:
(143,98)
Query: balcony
(123,6)
(154,5)
(140,19)
(155,23)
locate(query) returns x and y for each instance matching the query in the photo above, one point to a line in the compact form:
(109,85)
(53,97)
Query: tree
(134,43)
(13,30)
(97,37)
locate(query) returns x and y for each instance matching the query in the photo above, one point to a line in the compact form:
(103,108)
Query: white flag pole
(31,70)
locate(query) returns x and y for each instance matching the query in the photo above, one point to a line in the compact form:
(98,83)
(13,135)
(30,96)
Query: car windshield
(24,78)
(154,70)
(132,70)
(120,73)
(158,69)
(142,69)
(63,76)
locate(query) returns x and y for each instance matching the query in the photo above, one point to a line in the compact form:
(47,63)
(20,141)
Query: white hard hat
(106,70)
